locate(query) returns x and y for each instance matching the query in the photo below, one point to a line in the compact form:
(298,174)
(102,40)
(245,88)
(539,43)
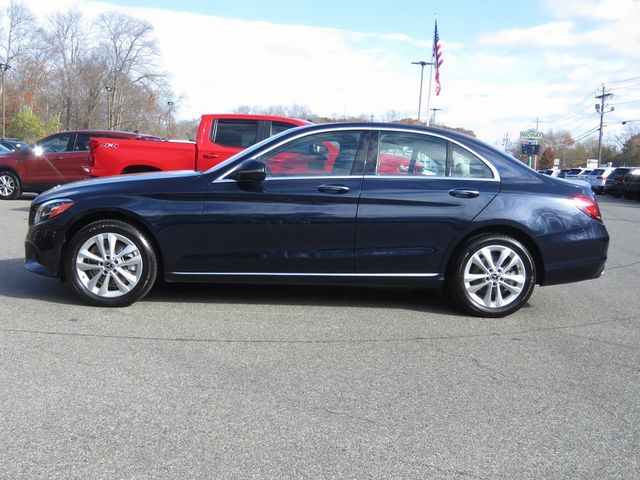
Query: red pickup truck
(219,137)
(56,159)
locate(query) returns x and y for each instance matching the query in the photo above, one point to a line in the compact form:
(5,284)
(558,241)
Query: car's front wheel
(9,186)
(110,263)
(492,276)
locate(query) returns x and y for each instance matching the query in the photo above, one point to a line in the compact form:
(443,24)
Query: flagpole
(429,94)
(433,48)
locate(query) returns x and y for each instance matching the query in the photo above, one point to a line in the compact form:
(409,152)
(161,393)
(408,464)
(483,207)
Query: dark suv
(631,184)
(613,184)
(56,159)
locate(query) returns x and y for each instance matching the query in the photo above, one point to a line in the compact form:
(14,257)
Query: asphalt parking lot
(214,382)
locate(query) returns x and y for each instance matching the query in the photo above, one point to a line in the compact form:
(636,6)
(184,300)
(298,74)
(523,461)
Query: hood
(133,182)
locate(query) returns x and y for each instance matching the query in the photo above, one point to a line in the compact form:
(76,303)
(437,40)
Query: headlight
(52,209)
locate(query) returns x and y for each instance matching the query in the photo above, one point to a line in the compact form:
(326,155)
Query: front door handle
(463,193)
(334,189)
(210,156)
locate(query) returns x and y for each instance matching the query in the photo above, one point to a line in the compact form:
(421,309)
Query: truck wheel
(492,276)
(110,263)
(9,186)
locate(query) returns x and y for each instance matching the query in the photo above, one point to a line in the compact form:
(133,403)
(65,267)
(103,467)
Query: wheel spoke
(104,288)
(477,286)
(129,249)
(123,287)
(488,257)
(499,302)
(488,296)
(477,261)
(99,241)
(86,254)
(111,242)
(91,284)
(87,267)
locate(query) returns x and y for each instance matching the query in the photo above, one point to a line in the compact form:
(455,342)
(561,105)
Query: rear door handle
(463,193)
(334,189)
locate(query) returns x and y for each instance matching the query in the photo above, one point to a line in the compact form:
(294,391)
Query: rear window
(279,127)
(597,171)
(236,133)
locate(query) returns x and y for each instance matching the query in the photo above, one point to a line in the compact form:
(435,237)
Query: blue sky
(462,20)
(506,63)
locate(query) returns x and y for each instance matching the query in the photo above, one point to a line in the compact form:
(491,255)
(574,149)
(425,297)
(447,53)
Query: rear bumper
(579,255)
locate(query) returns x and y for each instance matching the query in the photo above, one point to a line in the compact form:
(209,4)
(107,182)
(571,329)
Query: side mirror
(250,171)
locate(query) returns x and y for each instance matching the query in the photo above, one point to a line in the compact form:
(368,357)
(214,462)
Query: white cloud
(557,34)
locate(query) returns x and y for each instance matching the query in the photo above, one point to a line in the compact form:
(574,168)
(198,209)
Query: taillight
(586,205)
(93,144)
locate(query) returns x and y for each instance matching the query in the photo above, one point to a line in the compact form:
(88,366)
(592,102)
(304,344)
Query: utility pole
(505,142)
(600,109)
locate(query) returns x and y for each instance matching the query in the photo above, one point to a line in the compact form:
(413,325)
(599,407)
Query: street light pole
(3,67)
(422,64)
(170,106)
(433,118)
(109,90)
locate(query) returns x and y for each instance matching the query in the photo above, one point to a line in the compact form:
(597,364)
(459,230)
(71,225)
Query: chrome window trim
(432,178)
(334,128)
(299,177)
(293,274)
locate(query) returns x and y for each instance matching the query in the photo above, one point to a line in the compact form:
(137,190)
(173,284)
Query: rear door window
(235,133)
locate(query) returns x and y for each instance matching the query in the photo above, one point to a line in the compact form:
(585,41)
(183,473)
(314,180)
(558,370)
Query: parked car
(613,183)
(351,203)
(13,144)
(630,185)
(598,177)
(553,172)
(56,159)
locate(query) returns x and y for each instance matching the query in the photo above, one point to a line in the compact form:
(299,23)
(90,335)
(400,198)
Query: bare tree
(66,36)
(130,53)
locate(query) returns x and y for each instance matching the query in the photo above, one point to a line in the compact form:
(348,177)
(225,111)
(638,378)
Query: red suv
(56,159)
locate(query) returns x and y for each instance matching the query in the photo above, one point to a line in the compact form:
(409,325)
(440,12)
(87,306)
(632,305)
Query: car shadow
(417,299)
(17,282)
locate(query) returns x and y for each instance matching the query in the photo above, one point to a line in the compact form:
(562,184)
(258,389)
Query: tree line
(70,73)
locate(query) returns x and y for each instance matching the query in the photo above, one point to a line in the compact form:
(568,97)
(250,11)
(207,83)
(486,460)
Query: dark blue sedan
(372,204)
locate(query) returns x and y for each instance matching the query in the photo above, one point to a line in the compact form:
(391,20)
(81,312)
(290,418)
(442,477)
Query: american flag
(437,54)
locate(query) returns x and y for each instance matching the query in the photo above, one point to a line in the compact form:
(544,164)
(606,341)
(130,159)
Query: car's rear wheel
(492,276)
(111,263)
(9,186)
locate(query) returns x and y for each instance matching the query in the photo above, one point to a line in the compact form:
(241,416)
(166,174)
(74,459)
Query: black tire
(9,185)
(103,280)
(491,292)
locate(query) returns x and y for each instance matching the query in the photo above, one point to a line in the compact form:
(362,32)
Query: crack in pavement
(312,341)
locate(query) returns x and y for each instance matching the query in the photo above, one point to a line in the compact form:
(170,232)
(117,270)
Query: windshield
(253,148)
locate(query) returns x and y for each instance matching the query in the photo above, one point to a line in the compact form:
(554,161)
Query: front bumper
(43,250)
